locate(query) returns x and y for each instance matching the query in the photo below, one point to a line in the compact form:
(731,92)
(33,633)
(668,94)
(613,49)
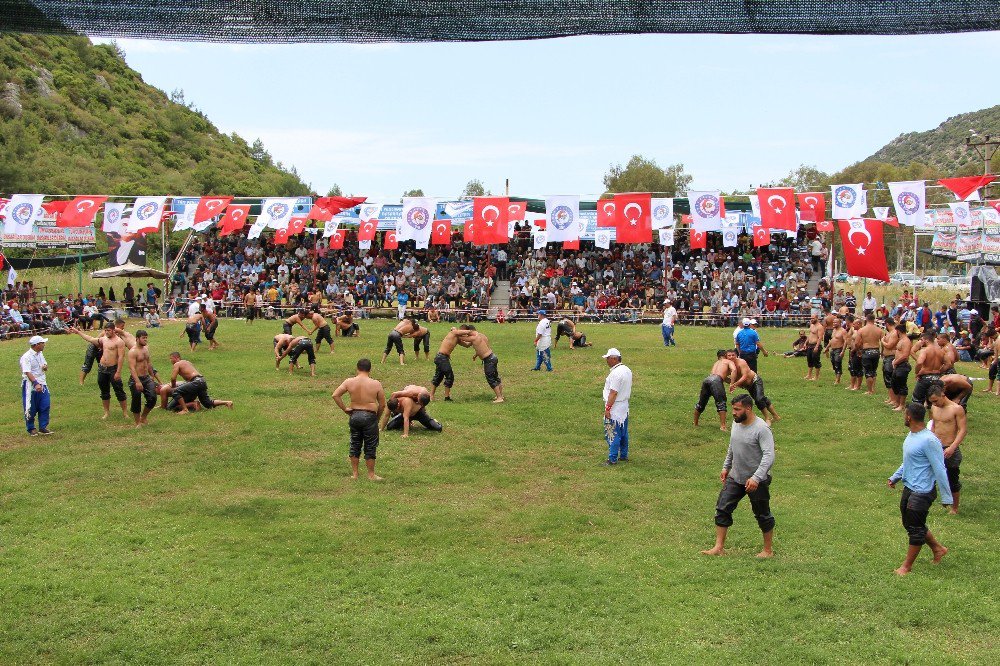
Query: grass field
(236,536)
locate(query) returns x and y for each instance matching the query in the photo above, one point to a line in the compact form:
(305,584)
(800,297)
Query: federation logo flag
(209,207)
(864,248)
(667,237)
(849,201)
(602,239)
(442,233)
(539,240)
(562,214)
(114,213)
(146,215)
(966,188)
(909,199)
(364,245)
(706,210)
(81,212)
(661,213)
(632,217)
(754,205)
(812,206)
(234,219)
(329,228)
(418,216)
(367,229)
(761,236)
(777,207)
(881,212)
(20,214)
(698,239)
(490,214)
(276,213)
(369,211)
(390,241)
(960,211)
(606,214)
(337,239)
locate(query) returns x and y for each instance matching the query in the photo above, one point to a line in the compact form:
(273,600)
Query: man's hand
(38,387)
(348,410)
(607,412)
(890,483)
(724,475)
(118,376)
(751,484)
(950,451)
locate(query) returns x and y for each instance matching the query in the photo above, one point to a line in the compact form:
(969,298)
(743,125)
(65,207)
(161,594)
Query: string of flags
(624,218)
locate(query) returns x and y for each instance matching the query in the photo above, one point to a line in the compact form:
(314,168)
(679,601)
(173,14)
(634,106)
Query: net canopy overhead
(277,21)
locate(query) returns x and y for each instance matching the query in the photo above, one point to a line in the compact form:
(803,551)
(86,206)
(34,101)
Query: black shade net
(279,21)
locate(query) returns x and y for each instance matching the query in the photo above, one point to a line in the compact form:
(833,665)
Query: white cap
(753,321)
(36,339)
(613,352)
(746,321)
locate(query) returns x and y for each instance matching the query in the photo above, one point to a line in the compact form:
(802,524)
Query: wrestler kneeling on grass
(408,405)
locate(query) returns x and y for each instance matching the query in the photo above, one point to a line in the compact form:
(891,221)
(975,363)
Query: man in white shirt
(543,342)
(669,316)
(194,306)
(617,391)
(34,389)
(869,304)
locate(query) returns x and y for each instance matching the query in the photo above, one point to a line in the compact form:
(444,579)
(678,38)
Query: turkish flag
(337,239)
(55,208)
(824,225)
(281,236)
(777,207)
(516,211)
(80,212)
(324,208)
(490,215)
(722,208)
(995,203)
(761,236)
(698,239)
(606,213)
(389,241)
(234,219)
(296,225)
(441,234)
(964,187)
(632,218)
(209,207)
(812,208)
(366,232)
(864,248)
(571,245)
(469,231)
(686,219)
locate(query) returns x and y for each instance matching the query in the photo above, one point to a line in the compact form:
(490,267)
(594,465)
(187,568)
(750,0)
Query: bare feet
(869,392)
(105,416)
(723,429)
(953,511)
(765,554)
(902,571)
(354,477)
(498,400)
(939,554)
(714,551)
(898,409)
(375,477)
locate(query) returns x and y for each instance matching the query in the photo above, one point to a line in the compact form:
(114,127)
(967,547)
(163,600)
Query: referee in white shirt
(617,390)
(34,390)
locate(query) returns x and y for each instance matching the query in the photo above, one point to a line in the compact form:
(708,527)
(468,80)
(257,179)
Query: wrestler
(567,327)
(347,326)
(854,366)
(194,388)
(140,382)
(442,361)
(192,326)
(994,367)
(714,386)
(395,339)
(744,377)
(958,389)
(870,336)
(889,342)
(900,368)
(296,319)
(295,347)
(211,325)
(928,367)
(835,350)
(281,342)
(950,354)
(92,354)
(950,425)
(409,405)
(367,405)
(109,368)
(322,330)
(814,348)
(481,344)
(420,336)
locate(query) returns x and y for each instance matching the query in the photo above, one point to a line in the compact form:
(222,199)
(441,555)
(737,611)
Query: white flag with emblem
(146,215)
(365,245)
(562,215)
(330,228)
(661,213)
(21,211)
(602,239)
(961,213)
(369,211)
(539,239)
(113,215)
(706,210)
(755,206)
(417,220)
(11,277)
(849,201)
(910,201)
(666,237)
(276,213)
(730,229)
(258,226)
(881,212)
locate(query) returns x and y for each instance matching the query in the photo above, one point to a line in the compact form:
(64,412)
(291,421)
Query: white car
(960,282)
(932,281)
(909,279)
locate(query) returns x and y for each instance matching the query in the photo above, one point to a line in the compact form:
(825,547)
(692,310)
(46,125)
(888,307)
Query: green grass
(236,536)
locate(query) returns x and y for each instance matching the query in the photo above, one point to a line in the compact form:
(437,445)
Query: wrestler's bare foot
(939,555)
(354,477)
(902,571)
(723,428)
(869,392)
(498,400)
(777,418)
(768,422)
(104,416)
(984,390)
(375,477)
(714,551)
(898,409)
(765,554)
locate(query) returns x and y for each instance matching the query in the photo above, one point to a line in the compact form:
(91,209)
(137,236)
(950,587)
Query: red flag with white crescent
(389,241)
(571,245)
(864,248)
(490,215)
(761,236)
(234,219)
(296,225)
(209,207)
(632,218)
(55,207)
(469,231)
(366,231)
(337,239)
(281,236)
(332,205)
(686,219)
(995,203)
(966,186)
(824,226)
(777,207)
(80,212)
(441,235)
(516,211)
(606,213)
(812,208)
(698,239)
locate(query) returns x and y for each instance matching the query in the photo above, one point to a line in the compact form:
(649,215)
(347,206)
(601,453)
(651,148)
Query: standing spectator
(869,304)
(543,342)
(617,391)
(402,298)
(816,255)
(748,344)
(150,295)
(34,389)
(667,328)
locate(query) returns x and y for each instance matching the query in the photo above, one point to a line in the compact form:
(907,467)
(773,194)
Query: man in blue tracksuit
(748,344)
(34,389)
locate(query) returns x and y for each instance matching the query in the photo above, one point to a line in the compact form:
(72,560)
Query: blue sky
(552,115)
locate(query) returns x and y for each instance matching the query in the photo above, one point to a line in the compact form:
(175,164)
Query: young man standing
(746,471)
(617,391)
(949,424)
(367,405)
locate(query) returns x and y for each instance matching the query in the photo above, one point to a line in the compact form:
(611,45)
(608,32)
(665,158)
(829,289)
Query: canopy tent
(277,21)
(129,270)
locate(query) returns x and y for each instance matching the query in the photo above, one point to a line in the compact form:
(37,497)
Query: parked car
(844,277)
(960,282)
(909,279)
(932,281)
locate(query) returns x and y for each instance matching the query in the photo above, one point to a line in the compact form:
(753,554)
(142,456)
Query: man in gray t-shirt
(746,471)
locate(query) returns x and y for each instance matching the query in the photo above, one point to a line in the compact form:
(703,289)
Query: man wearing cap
(617,390)
(667,328)
(543,342)
(748,343)
(34,389)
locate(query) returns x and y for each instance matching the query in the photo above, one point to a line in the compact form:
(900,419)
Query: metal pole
(79,271)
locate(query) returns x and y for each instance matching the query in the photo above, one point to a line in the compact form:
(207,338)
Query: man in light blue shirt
(748,344)
(923,464)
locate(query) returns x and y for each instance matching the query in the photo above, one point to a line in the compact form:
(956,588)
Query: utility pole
(984,148)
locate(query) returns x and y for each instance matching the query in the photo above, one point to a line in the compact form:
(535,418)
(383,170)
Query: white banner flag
(365,245)
(539,239)
(729,236)
(960,211)
(849,201)
(662,213)
(21,211)
(329,228)
(881,212)
(910,201)
(369,211)
(459,210)
(114,213)
(666,237)
(11,277)
(146,214)
(602,239)
(562,215)
(276,213)
(706,210)
(258,226)
(417,220)
(755,206)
